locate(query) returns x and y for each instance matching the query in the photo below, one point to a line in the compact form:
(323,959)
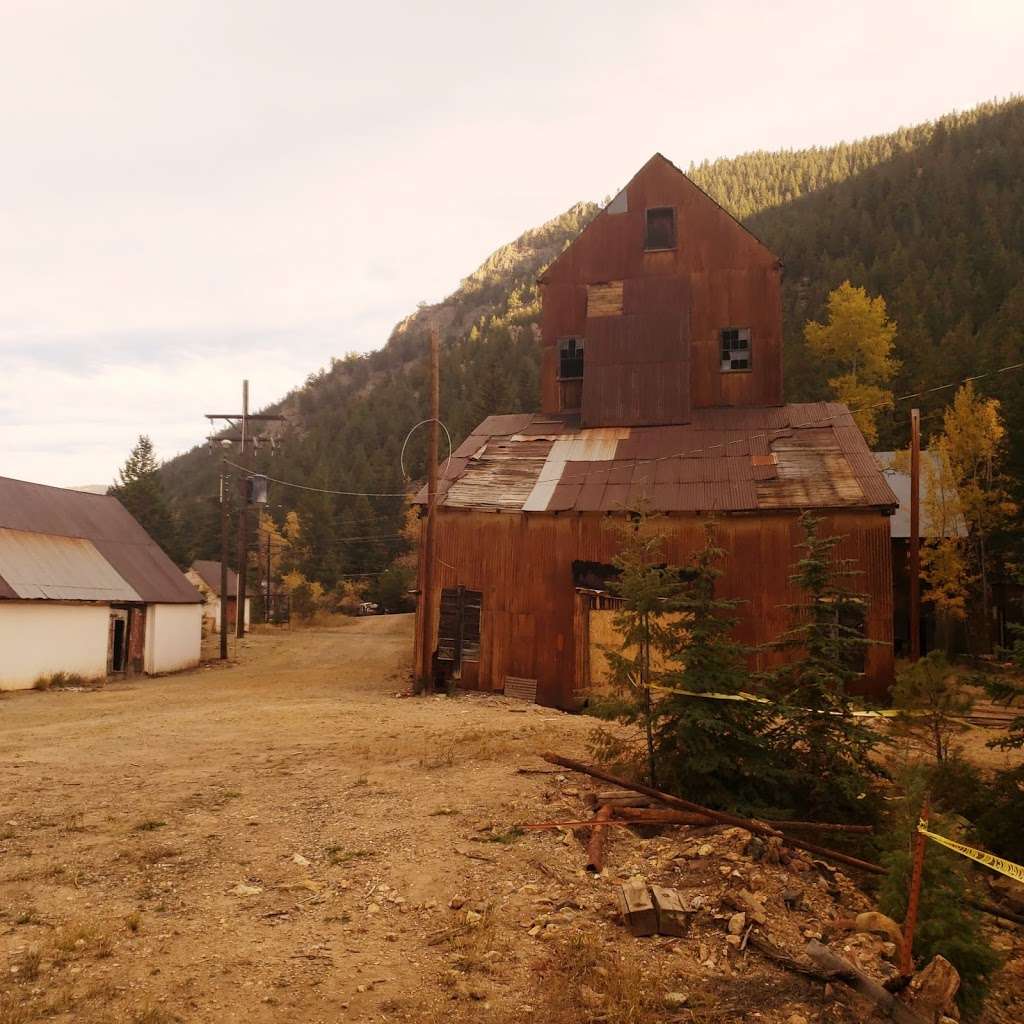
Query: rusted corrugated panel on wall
(522,565)
(718,276)
(637,370)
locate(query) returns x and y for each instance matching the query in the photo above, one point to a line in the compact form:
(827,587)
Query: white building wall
(39,638)
(173,637)
(212,614)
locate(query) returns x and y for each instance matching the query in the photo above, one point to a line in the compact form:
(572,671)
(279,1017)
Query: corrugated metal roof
(740,459)
(209,572)
(37,565)
(103,521)
(899,483)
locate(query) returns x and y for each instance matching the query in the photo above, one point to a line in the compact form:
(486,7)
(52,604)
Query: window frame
(647,229)
(721,350)
(579,354)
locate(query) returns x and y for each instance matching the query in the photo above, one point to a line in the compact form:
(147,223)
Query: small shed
(84,590)
(204,575)
(898,479)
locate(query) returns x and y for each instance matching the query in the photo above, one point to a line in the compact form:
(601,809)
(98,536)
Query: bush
(945,924)
(999,824)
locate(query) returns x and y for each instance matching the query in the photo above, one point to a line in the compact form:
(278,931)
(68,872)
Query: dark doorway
(117,648)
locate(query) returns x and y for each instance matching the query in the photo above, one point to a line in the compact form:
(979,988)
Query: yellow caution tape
(990,860)
(753,698)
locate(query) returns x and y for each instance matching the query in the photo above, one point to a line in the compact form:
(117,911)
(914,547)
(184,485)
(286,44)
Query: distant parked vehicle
(369,608)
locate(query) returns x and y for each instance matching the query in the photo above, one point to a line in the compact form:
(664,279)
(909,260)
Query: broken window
(661,228)
(570,358)
(458,632)
(735,349)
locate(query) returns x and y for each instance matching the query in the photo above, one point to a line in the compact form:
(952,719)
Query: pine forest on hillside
(931,218)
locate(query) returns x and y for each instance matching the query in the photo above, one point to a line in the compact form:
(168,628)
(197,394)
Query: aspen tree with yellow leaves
(855,346)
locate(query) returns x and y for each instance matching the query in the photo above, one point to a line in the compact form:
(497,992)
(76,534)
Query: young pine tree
(648,589)
(946,925)
(822,750)
(711,750)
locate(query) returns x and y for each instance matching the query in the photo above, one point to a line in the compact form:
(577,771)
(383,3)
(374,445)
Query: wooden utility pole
(425,683)
(224,532)
(915,534)
(244,438)
(243,519)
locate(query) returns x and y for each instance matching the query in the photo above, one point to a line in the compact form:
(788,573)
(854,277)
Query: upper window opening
(570,358)
(661,228)
(735,349)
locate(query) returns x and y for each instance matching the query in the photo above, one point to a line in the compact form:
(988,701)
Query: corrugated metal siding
(718,276)
(38,566)
(522,565)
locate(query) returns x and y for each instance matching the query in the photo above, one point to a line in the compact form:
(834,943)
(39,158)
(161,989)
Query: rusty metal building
(661,384)
(84,590)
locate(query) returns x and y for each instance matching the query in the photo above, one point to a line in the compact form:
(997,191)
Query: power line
(687,453)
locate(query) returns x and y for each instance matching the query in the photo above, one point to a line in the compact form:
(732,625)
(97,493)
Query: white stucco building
(205,577)
(85,590)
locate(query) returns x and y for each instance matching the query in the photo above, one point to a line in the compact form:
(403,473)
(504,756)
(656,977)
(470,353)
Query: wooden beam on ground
(595,848)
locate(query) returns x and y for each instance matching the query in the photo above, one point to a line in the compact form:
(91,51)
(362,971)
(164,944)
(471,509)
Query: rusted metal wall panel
(522,565)
(718,276)
(636,370)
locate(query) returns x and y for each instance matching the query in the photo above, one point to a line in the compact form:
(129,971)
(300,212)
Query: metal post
(915,534)
(913,897)
(224,542)
(426,667)
(243,521)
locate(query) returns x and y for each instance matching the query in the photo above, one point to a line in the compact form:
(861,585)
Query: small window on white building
(735,349)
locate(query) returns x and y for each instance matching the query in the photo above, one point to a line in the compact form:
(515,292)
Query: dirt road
(154,835)
(285,840)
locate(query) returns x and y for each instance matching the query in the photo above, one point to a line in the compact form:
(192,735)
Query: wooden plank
(673,918)
(637,909)
(604,299)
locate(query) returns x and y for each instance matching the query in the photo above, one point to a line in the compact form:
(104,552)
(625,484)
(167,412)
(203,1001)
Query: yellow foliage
(858,337)
(864,400)
(857,341)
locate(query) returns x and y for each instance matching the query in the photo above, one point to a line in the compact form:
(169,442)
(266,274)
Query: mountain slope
(932,217)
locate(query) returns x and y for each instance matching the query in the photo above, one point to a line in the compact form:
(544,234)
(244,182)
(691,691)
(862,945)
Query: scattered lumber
(595,848)
(616,799)
(757,827)
(842,970)
(994,910)
(637,908)
(656,794)
(656,816)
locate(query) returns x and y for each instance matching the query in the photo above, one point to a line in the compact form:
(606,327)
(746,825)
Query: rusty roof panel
(726,459)
(39,565)
(106,523)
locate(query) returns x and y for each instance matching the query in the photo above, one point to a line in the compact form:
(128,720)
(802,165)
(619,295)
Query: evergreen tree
(823,751)
(946,925)
(710,750)
(648,589)
(140,490)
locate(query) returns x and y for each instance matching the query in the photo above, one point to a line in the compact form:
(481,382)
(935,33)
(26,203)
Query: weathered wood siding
(718,276)
(522,564)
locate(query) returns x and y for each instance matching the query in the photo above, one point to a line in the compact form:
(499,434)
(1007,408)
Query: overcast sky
(197,190)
